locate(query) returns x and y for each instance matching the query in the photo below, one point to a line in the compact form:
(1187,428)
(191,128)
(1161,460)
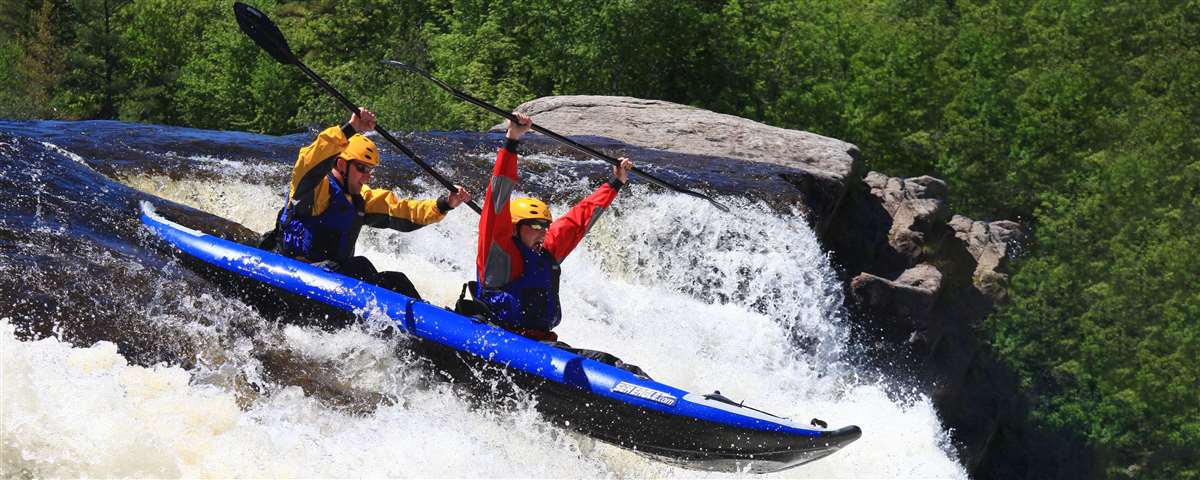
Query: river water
(119,362)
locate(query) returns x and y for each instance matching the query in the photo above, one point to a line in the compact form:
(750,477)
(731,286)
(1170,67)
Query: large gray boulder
(823,166)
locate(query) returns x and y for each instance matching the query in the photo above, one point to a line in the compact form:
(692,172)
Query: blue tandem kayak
(698,431)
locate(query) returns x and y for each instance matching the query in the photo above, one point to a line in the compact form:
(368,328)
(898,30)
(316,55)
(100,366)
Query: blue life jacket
(530,301)
(328,236)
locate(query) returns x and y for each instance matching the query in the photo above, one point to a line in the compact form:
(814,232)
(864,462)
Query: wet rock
(923,276)
(858,236)
(991,244)
(904,302)
(916,206)
(822,166)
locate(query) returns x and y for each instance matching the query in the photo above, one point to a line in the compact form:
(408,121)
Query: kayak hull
(682,441)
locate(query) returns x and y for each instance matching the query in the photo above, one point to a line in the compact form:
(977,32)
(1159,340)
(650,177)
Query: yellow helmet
(361,149)
(526,208)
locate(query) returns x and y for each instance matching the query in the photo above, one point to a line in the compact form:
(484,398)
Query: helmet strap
(346,177)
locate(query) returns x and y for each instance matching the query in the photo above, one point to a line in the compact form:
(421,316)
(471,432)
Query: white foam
(67,153)
(71,412)
(251,205)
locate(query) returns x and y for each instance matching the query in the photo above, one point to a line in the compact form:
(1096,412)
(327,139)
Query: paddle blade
(263,31)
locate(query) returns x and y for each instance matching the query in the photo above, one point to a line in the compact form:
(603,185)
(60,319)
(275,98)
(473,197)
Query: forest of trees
(1078,118)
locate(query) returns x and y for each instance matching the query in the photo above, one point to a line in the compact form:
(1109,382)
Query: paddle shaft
(384,133)
(561,139)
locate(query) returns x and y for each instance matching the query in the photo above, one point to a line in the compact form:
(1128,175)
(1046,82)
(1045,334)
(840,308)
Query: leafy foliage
(1079,117)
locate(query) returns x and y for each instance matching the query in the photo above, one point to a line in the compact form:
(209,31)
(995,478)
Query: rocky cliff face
(918,278)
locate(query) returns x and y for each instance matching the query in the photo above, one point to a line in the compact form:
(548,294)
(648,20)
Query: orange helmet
(361,149)
(526,208)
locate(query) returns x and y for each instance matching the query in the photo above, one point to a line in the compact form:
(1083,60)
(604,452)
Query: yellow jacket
(310,191)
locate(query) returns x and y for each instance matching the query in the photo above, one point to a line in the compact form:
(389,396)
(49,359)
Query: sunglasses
(363,169)
(537,224)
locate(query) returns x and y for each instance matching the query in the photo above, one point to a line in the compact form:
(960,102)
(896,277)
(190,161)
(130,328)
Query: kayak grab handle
(410,320)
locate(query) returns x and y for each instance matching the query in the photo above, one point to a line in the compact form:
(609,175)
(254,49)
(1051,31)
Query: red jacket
(498,259)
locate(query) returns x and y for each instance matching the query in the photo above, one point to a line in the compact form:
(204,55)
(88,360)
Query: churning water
(118,362)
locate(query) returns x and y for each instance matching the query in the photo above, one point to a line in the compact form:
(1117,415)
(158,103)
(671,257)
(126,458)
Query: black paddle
(258,27)
(564,140)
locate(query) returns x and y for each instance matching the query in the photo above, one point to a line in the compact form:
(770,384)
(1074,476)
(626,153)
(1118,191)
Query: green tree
(1103,320)
(33,58)
(895,99)
(93,84)
(159,38)
(229,83)
(13,101)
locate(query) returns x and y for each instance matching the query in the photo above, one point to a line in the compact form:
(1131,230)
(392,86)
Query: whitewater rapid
(701,299)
